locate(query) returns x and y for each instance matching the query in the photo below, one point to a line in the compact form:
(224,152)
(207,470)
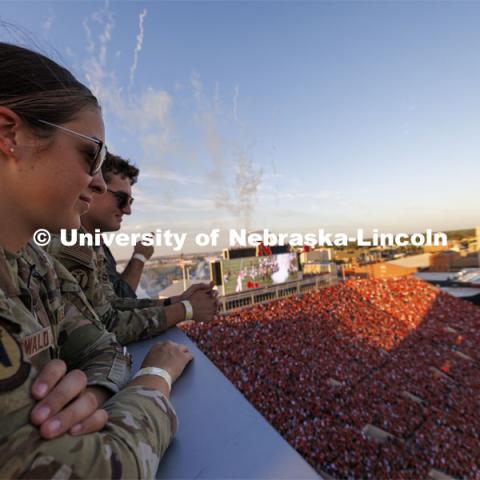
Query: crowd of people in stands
(366,379)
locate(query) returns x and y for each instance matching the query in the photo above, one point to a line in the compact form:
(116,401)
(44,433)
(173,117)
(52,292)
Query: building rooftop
(416,261)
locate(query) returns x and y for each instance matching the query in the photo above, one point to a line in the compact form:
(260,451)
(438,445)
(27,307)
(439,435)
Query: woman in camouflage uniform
(57,363)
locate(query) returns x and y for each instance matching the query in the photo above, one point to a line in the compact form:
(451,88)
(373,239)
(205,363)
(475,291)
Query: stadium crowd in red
(332,366)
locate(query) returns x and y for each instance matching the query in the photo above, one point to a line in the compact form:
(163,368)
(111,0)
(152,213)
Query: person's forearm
(151,381)
(96,351)
(138,415)
(133,273)
(137,324)
(175,299)
(174,314)
(101,394)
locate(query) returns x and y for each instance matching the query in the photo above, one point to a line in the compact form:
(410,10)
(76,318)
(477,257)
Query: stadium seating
(366,379)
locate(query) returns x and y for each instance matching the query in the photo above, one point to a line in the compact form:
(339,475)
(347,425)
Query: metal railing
(237,301)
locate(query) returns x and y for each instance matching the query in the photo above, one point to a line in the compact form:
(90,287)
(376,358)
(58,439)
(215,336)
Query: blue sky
(283,115)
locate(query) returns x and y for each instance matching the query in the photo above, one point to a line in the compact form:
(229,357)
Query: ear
(10,122)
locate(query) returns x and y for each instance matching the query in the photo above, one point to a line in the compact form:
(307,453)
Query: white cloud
(106,36)
(236,93)
(272,176)
(88,33)
(151,203)
(145,114)
(171,177)
(216,98)
(70,52)
(207,120)
(95,67)
(234,179)
(48,22)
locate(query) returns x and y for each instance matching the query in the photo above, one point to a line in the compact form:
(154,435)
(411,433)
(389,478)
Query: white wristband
(159,372)
(188,310)
(140,257)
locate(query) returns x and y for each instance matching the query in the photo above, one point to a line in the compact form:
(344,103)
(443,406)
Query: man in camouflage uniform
(106,214)
(44,315)
(130,319)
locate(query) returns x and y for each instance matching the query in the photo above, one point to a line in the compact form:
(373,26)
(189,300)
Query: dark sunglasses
(123,199)
(100,152)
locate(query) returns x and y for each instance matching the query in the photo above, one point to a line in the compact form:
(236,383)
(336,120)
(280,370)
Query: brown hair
(116,165)
(35,87)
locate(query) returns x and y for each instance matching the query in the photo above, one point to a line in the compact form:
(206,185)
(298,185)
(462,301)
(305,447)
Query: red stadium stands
(366,379)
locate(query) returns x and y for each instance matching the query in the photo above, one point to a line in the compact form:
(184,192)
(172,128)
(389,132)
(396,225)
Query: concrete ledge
(220,434)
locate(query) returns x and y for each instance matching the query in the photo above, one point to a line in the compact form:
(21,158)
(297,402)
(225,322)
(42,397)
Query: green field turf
(234,266)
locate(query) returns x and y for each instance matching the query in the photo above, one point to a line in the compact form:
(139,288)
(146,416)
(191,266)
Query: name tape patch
(37,342)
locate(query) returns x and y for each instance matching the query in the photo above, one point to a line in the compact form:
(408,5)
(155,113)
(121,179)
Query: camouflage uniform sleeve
(120,286)
(108,287)
(141,421)
(126,304)
(130,320)
(141,425)
(83,341)
(135,324)
(131,303)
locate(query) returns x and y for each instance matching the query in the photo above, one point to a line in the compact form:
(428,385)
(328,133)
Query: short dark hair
(115,165)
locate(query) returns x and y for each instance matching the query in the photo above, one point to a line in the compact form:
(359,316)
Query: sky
(291,116)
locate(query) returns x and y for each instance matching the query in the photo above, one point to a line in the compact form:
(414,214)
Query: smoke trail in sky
(138,46)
